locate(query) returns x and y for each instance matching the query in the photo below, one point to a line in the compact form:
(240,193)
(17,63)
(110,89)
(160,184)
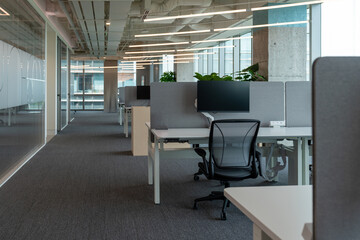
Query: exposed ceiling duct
(71,22)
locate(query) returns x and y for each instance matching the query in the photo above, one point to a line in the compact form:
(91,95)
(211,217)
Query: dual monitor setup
(215,96)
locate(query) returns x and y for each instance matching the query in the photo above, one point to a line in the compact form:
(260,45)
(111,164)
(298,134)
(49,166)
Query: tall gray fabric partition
(122,94)
(172,106)
(266,104)
(336,115)
(298,104)
(131,98)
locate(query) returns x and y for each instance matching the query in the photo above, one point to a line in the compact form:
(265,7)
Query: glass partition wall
(62,85)
(22,84)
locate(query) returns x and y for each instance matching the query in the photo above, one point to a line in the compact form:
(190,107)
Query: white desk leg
(121,116)
(9,117)
(126,127)
(259,234)
(156,172)
(295,164)
(305,162)
(150,161)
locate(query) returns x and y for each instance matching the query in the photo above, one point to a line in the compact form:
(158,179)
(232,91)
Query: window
(245,51)
(229,58)
(88,78)
(204,62)
(215,58)
(126,74)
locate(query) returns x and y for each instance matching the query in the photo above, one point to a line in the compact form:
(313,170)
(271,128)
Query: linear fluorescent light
(220,40)
(135,57)
(158,44)
(3,12)
(260,26)
(197,49)
(172,33)
(158,51)
(194,15)
(189,58)
(160,56)
(285,5)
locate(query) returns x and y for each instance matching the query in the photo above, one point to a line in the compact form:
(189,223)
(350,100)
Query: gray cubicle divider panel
(131,98)
(172,106)
(122,94)
(266,104)
(336,129)
(298,104)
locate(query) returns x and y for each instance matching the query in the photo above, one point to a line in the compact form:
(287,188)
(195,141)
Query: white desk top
(264,132)
(280,211)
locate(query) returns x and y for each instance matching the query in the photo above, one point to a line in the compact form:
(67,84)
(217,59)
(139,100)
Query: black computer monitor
(143,92)
(223,96)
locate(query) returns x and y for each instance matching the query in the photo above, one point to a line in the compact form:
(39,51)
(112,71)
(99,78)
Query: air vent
(3,12)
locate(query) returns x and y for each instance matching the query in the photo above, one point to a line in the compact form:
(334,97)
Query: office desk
(156,151)
(276,212)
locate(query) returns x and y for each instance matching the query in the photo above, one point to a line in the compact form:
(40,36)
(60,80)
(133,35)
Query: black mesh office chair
(233,156)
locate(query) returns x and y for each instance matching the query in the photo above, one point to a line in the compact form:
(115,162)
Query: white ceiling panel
(99,10)
(117,25)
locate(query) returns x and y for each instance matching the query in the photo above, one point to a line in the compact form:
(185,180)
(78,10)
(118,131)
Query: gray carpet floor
(84,184)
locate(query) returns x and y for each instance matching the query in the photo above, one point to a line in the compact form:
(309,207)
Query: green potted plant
(250,74)
(168,77)
(212,77)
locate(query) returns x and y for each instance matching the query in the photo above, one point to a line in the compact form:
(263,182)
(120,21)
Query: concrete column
(185,72)
(110,86)
(281,51)
(51,84)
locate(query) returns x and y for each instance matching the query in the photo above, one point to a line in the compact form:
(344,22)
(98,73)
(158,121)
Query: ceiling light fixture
(158,44)
(179,43)
(260,26)
(190,58)
(135,57)
(198,49)
(231,11)
(159,51)
(3,12)
(221,40)
(195,15)
(172,33)
(285,5)
(107,23)
(160,56)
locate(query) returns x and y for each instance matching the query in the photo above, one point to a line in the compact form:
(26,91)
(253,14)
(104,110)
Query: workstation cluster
(181,120)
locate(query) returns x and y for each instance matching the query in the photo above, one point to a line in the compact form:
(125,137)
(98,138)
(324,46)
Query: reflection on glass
(22,84)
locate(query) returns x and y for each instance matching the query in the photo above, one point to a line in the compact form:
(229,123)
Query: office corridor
(84,184)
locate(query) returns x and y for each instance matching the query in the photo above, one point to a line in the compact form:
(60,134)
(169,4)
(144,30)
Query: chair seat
(228,174)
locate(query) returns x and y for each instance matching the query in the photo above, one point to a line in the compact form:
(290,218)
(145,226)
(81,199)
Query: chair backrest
(232,142)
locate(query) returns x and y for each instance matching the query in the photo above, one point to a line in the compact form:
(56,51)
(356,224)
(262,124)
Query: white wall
(340,28)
